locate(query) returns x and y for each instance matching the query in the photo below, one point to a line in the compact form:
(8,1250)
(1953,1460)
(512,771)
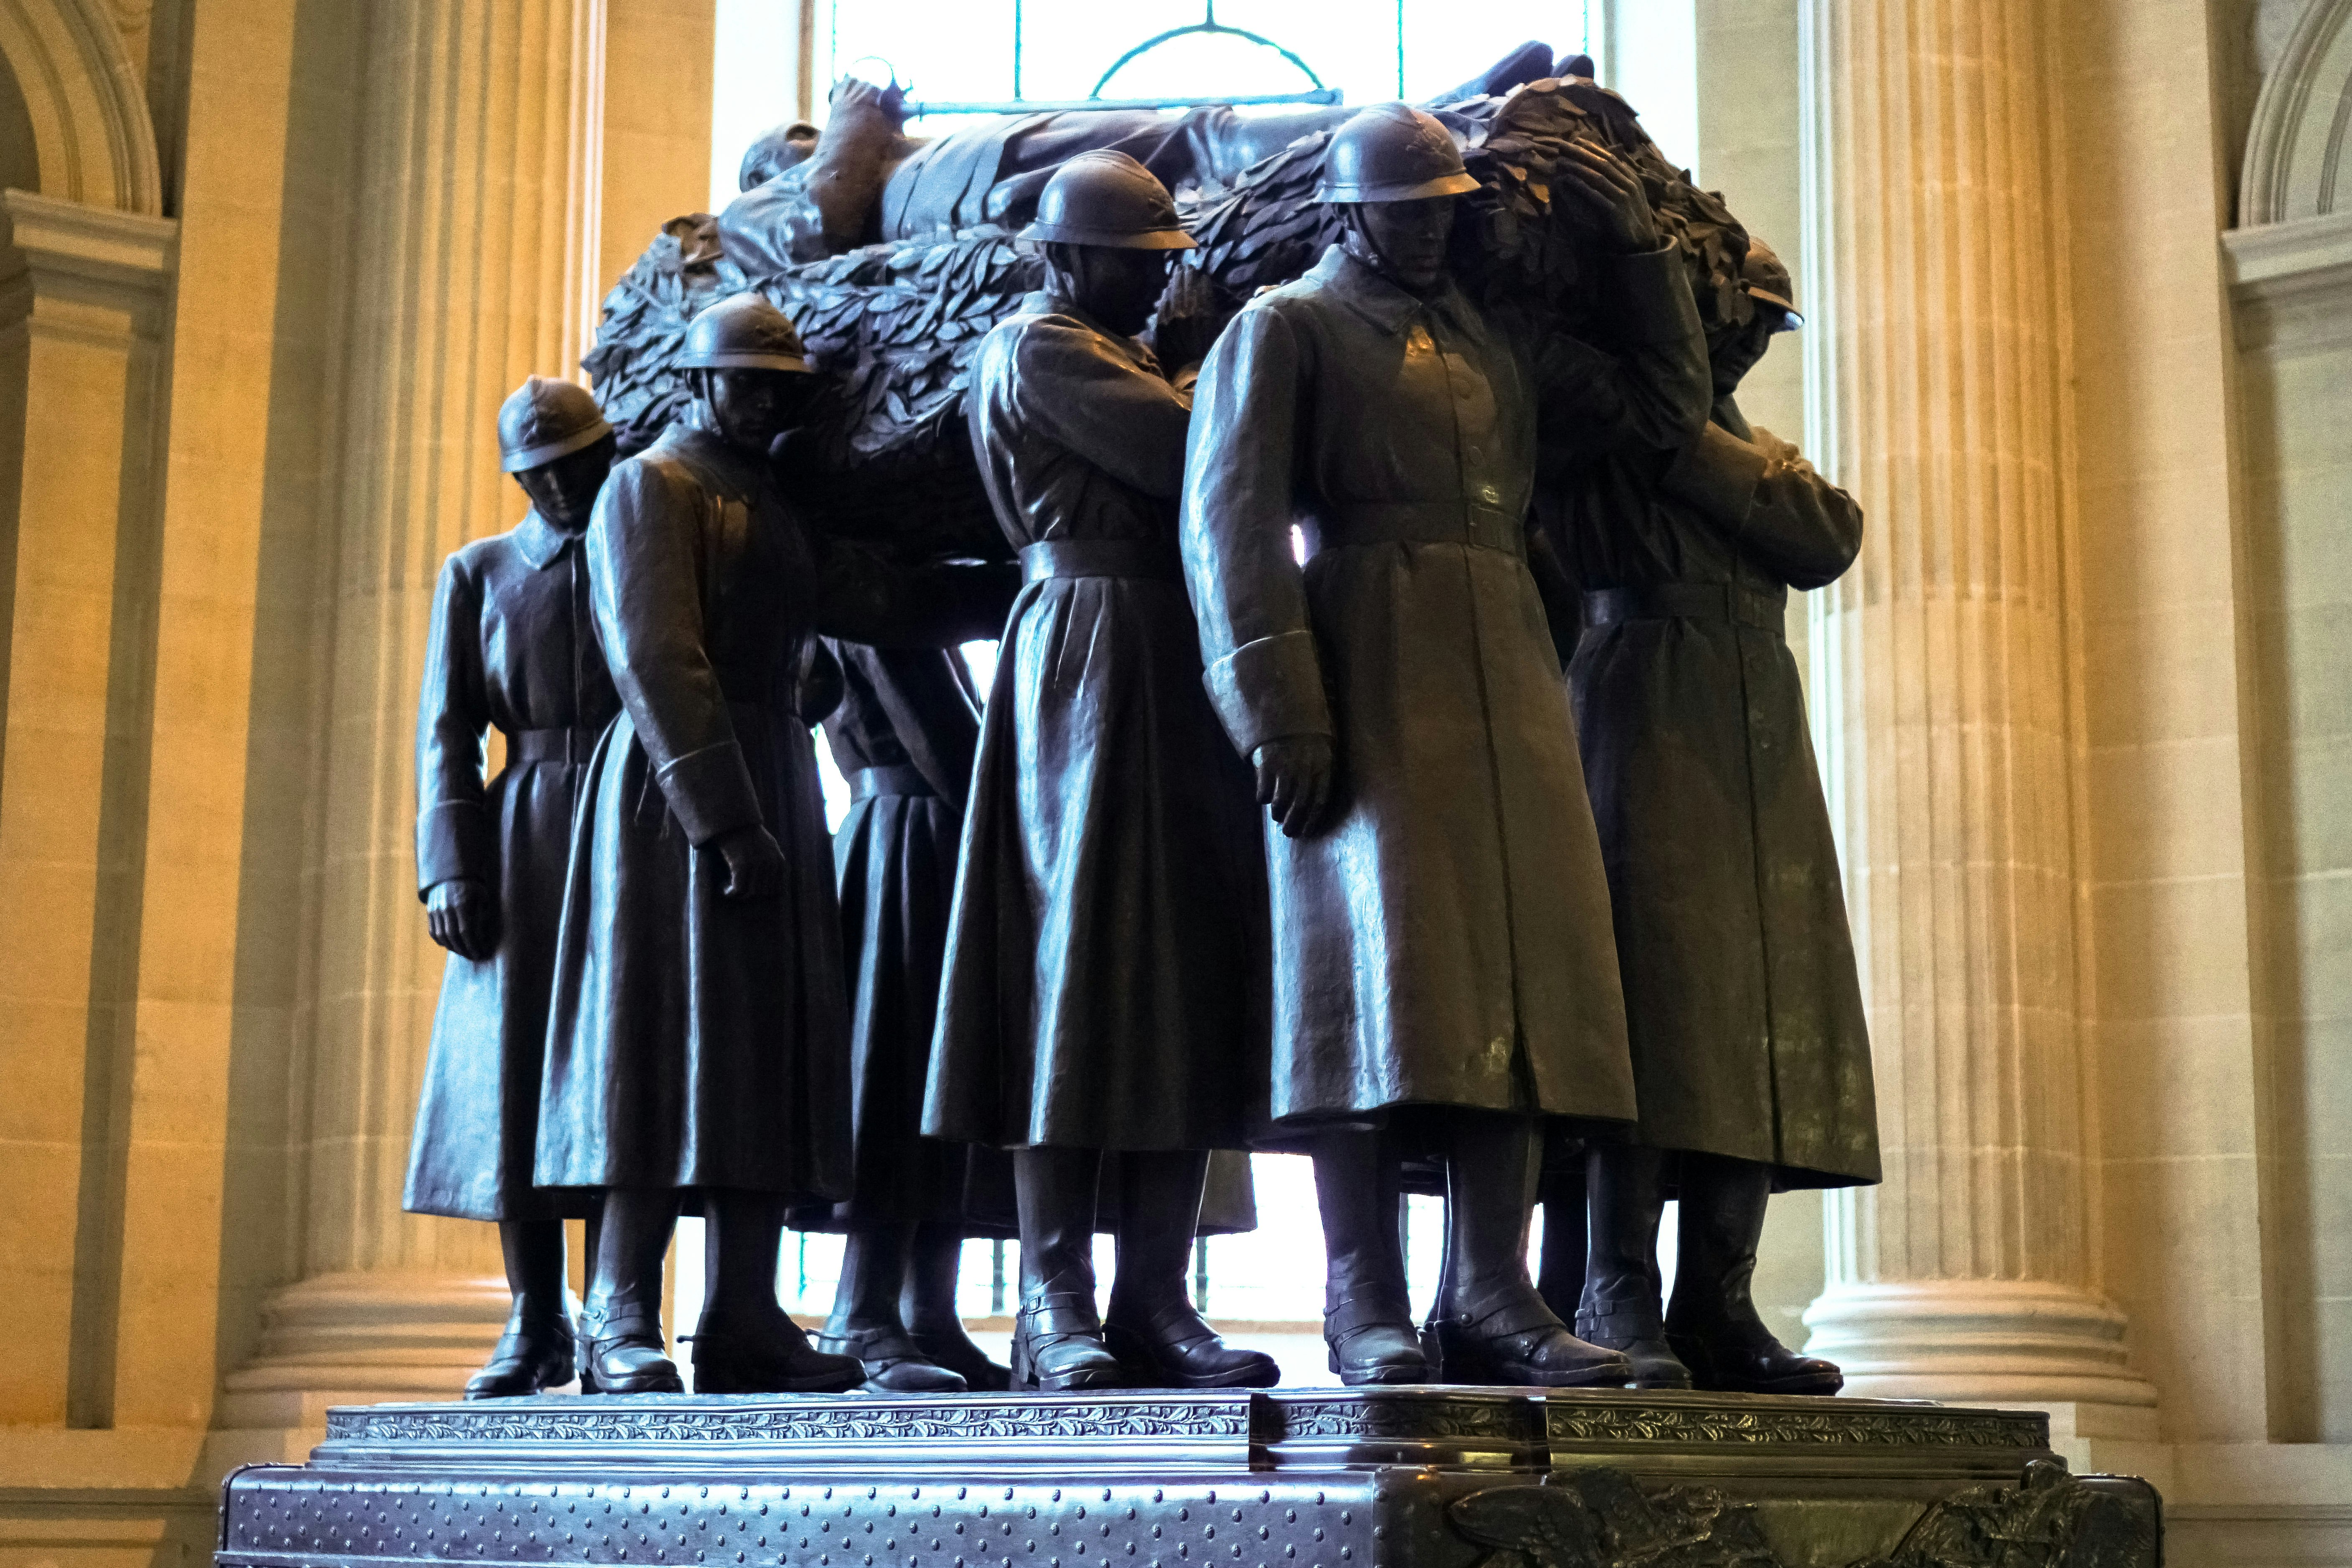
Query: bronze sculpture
(1750,1055)
(1104,985)
(1442,951)
(903,733)
(511,648)
(697,1045)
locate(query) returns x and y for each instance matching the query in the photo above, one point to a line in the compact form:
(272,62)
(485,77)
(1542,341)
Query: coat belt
(1148,558)
(1465,521)
(899,778)
(1690,602)
(565,744)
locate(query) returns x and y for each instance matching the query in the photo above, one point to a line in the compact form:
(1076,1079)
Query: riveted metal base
(1407,1477)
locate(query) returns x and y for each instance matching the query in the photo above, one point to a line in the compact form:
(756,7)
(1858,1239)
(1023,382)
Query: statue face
(749,408)
(1117,288)
(564,491)
(1733,357)
(1403,241)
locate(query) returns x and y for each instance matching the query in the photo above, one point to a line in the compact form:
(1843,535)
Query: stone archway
(92,134)
(2296,163)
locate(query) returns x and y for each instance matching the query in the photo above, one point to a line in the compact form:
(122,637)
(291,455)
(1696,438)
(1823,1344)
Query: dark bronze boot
(1057,1339)
(533,1356)
(1621,1309)
(894,1363)
(1160,1340)
(1367,1313)
(768,1354)
(537,1352)
(1560,1268)
(1491,1326)
(622,1350)
(927,1305)
(1712,1324)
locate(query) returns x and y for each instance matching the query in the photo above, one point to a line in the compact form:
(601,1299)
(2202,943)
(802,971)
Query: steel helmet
(742,331)
(1765,277)
(1107,199)
(542,420)
(1391,153)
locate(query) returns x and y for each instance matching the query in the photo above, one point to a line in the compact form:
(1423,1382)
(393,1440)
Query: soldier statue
(511,648)
(903,728)
(1751,1062)
(1106,980)
(696,1049)
(1444,966)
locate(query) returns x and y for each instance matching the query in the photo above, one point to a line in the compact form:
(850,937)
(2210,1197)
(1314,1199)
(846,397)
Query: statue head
(1393,172)
(552,437)
(750,376)
(1109,229)
(1733,351)
(775,149)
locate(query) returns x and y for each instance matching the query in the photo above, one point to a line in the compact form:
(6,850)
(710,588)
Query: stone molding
(90,127)
(2291,282)
(2294,155)
(118,266)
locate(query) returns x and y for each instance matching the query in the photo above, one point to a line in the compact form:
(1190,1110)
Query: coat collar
(540,541)
(1381,302)
(1044,303)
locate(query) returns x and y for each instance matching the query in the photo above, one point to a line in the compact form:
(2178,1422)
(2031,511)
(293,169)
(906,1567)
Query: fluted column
(472,259)
(1938,389)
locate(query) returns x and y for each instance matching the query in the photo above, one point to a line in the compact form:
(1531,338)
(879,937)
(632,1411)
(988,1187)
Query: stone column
(83,293)
(472,264)
(1942,677)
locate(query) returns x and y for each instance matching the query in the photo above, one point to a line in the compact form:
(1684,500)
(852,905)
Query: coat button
(1490,495)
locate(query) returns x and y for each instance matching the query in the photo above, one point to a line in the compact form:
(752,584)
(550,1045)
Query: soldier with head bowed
(1106,976)
(698,1051)
(1443,967)
(511,648)
(1751,1059)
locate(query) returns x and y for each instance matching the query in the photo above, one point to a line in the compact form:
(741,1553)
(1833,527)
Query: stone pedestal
(1421,1477)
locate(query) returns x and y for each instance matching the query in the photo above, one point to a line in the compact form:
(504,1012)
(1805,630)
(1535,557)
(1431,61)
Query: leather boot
(1560,1269)
(1491,1326)
(537,1352)
(894,1363)
(1367,1311)
(1057,1339)
(1621,1309)
(927,1305)
(622,1350)
(746,1342)
(865,1321)
(1713,1324)
(1160,1340)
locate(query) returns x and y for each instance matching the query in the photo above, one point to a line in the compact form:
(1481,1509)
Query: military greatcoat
(698,1040)
(1741,998)
(1446,938)
(511,648)
(1105,984)
(903,736)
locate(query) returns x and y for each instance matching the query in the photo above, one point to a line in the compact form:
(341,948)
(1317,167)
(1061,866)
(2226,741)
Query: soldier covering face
(1444,966)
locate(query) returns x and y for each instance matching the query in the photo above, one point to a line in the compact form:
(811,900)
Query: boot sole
(830,1382)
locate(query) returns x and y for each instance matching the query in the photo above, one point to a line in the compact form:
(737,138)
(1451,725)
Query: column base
(363,1338)
(2023,1343)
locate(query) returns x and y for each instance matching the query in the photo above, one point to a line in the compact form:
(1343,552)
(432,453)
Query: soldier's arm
(1263,672)
(644,578)
(1655,388)
(454,840)
(1072,387)
(1775,506)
